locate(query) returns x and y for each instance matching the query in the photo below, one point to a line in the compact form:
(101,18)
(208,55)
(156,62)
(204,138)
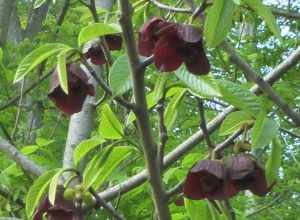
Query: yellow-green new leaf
(95,30)
(53,186)
(36,57)
(38,3)
(218,22)
(62,70)
(274,161)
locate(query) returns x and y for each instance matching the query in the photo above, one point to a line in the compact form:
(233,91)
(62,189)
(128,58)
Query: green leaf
(103,164)
(197,209)
(264,130)
(36,57)
(170,114)
(53,186)
(94,30)
(234,121)
(274,161)
(27,150)
(266,13)
(239,97)
(118,155)
(85,147)
(218,22)
(119,76)
(1,55)
(37,191)
(62,70)
(110,127)
(38,3)
(205,86)
(160,86)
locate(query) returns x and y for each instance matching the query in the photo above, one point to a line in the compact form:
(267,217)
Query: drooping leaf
(27,150)
(37,191)
(118,155)
(266,13)
(62,70)
(94,30)
(85,147)
(274,161)
(170,114)
(119,76)
(239,97)
(53,186)
(38,3)
(36,57)
(110,126)
(1,55)
(218,22)
(264,130)
(160,86)
(205,86)
(234,121)
(103,164)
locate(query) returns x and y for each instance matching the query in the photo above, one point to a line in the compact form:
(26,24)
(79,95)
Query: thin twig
(101,202)
(63,12)
(14,132)
(262,84)
(163,133)
(203,126)
(170,8)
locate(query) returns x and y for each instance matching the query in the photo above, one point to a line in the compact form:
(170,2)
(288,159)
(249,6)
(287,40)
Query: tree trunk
(5,12)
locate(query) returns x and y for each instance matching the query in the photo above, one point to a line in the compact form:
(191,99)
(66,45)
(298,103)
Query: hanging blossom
(212,179)
(173,44)
(95,52)
(79,89)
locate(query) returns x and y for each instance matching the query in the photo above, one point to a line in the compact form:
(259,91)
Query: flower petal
(259,186)
(96,55)
(78,90)
(195,58)
(166,57)
(114,42)
(147,37)
(188,33)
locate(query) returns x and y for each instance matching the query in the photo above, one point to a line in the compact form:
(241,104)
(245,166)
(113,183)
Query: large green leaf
(239,97)
(103,164)
(234,121)
(266,13)
(274,161)
(110,126)
(53,186)
(218,22)
(119,76)
(37,191)
(170,114)
(36,57)
(85,147)
(264,130)
(197,209)
(94,30)
(204,86)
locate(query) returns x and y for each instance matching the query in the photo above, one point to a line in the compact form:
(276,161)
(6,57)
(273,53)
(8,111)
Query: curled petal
(188,33)
(166,56)
(207,180)
(195,58)
(241,166)
(259,185)
(114,42)
(147,36)
(79,88)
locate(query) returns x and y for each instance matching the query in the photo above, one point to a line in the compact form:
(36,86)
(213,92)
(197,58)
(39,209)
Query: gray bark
(14,30)
(5,12)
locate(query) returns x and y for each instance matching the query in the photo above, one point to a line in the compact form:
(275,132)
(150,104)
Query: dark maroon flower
(61,210)
(208,180)
(246,173)
(95,52)
(79,88)
(173,44)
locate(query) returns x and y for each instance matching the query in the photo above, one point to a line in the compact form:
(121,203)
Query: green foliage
(274,161)
(218,22)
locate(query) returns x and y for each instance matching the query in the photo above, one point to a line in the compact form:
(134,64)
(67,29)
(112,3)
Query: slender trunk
(5,12)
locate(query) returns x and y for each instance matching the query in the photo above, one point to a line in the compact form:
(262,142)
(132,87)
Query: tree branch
(170,8)
(263,85)
(19,158)
(150,148)
(192,141)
